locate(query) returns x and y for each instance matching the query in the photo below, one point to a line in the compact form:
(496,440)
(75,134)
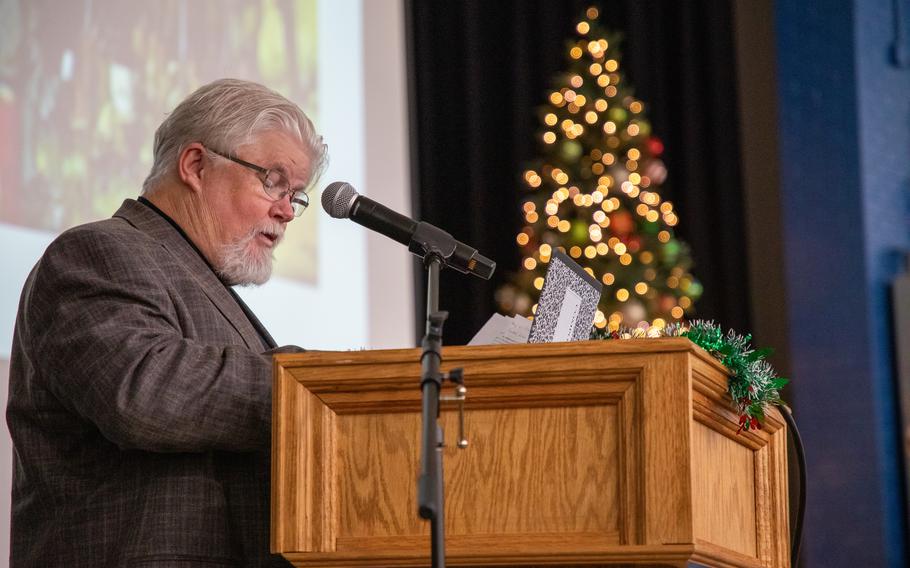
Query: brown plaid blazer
(139,406)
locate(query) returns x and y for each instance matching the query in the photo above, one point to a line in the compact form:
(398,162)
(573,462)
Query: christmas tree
(595,194)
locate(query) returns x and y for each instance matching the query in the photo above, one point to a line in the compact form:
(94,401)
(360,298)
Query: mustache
(273,229)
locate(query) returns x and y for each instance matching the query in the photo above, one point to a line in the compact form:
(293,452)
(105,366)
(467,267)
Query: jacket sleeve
(106,341)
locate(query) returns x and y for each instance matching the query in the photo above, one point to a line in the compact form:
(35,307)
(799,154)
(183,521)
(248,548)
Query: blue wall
(845,181)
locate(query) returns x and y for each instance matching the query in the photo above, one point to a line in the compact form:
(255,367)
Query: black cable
(796,535)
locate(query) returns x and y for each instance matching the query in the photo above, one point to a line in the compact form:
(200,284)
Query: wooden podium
(581,454)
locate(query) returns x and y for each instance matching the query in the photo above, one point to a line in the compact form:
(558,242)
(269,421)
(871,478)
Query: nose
(282,210)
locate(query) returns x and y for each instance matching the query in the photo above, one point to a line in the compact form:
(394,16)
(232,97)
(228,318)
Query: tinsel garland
(753,383)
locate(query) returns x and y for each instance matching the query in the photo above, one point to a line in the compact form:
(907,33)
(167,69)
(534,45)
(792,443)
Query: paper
(501,329)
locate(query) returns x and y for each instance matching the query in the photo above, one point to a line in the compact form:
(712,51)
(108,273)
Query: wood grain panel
(536,470)
(303,480)
(527,551)
(772,501)
(531,470)
(723,476)
(378,465)
(666,416)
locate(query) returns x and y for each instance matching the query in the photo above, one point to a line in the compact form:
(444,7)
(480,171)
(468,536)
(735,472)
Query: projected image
(84,84)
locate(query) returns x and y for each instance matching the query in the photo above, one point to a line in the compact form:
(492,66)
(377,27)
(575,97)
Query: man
(140,384)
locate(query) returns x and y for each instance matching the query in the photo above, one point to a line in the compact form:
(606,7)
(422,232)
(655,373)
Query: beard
(243,263)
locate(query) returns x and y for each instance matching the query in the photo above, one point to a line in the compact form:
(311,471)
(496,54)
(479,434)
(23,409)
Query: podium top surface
(465,353)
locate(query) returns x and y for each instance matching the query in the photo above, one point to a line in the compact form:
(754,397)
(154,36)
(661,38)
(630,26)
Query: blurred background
(779,131)
(786,140)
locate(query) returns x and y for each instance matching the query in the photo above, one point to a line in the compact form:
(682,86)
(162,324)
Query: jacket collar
(178,244)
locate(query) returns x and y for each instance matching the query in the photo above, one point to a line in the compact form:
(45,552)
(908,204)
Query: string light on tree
(595,193)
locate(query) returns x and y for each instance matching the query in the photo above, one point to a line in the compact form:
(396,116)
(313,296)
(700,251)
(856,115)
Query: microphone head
(338,198)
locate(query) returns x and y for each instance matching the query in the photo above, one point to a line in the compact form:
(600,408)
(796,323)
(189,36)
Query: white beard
(242,264)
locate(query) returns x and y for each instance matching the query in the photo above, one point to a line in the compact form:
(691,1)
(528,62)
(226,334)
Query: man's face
(250,223)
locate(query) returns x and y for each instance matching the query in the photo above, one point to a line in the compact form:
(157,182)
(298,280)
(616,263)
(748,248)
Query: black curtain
(480,69)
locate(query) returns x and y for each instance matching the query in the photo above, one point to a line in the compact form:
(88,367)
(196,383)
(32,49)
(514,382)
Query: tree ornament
(670,252)
(522,302)
(655,146)
(570,150)
(619,174)
(656,170)
(667,302)
(650,227)
(580,232)
(618,115)
(633,311)
(644,128)
(622,223)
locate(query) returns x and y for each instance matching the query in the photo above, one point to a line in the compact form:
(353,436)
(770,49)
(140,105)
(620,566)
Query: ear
(191,166)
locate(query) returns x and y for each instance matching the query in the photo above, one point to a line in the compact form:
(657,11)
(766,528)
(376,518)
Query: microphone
(341,201)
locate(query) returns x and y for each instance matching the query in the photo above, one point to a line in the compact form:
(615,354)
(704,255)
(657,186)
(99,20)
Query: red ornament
(622,223)
(747,422)
(655,146)
(742,423)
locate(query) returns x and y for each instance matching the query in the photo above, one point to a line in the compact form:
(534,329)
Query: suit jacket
(139,406)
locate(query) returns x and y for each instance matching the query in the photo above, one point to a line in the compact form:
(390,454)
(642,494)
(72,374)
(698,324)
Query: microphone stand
(430,485)
(436,247)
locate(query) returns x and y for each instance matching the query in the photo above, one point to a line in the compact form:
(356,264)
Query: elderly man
(140,383)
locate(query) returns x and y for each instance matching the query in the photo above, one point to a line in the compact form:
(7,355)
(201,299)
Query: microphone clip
(429,241)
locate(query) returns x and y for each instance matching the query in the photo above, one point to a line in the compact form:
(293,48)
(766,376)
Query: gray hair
(228,113)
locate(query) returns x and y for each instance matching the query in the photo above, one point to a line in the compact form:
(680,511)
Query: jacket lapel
(158,228)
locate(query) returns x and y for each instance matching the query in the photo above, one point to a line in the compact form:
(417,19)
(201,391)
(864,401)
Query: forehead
(279,150)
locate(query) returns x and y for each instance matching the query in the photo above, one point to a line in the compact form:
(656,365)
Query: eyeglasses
(274,183)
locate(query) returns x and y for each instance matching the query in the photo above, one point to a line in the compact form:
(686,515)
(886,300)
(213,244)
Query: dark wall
(844,147)
(479,70)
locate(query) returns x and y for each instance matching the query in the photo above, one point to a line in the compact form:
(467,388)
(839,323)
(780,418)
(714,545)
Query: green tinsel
(753,383)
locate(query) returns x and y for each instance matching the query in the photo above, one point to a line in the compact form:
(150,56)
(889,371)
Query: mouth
(270,238)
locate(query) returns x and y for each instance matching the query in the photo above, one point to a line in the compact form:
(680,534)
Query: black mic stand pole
(430,489)
(436,247)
